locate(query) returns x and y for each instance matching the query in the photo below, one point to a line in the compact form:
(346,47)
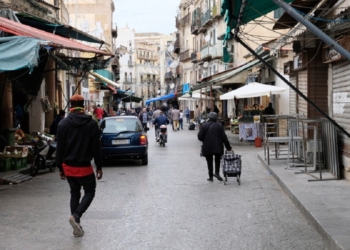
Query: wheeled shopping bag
(231,166)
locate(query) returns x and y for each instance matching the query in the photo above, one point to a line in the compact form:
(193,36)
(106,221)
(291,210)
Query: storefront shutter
(302,85)
(293,96)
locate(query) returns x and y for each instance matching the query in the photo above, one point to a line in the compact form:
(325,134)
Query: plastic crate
(24,162)
(5,164)
(16,163)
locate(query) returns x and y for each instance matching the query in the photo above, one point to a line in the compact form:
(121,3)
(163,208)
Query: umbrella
(253,89)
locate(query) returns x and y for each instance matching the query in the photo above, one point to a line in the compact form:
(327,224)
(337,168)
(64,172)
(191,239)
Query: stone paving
(165,205)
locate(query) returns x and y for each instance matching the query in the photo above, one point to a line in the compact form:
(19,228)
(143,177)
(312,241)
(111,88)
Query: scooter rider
(159,121)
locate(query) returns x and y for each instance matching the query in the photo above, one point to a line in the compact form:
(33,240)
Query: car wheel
(144,160)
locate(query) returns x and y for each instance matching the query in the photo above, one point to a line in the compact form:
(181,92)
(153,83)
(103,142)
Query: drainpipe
(316,31)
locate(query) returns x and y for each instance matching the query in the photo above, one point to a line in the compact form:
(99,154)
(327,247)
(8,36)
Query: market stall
(250,125)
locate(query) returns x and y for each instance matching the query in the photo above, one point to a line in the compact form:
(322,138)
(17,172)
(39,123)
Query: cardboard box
(5,164)
(21,151)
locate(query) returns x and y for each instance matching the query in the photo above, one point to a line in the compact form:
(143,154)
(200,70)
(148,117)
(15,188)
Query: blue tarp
(185,88)
(18,52)
(160,98)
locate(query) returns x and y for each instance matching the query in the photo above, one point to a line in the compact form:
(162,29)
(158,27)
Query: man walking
(175,117)
(98,112)
(77,143)
(143,117)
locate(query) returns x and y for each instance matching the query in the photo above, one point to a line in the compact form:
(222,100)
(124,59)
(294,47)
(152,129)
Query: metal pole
(292,86)
(316,31)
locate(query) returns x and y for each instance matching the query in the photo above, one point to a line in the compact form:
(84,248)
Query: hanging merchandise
(46,104)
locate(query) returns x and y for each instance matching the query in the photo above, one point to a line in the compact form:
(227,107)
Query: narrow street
(168,204)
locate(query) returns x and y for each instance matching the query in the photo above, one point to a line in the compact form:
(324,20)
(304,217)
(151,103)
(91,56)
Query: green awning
(230,9)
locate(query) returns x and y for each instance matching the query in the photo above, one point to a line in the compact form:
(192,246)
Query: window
(278,13)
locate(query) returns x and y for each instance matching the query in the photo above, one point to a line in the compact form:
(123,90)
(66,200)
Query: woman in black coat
(213,136)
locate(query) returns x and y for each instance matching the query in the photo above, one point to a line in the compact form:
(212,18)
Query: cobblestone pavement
(168,204)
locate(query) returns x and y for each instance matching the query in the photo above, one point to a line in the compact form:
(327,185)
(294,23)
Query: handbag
(201,152)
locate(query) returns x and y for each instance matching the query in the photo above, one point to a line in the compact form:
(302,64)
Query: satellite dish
(207,38)
(205,65)
(158,92)
(170,48)
(172,85)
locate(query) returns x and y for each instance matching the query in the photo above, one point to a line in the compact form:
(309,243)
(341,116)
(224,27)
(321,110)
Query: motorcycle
(162,135)
(44,154)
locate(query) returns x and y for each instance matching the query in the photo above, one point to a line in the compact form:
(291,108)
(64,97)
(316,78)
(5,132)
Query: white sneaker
(77,229)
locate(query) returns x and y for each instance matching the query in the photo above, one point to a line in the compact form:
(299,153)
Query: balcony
(185,21)
(131,63)
(216,11)
(168,75)
(177,22)
(195,26)
(185,55)
(177,44)
(129,81)
(212,52)
(205,21)
(148,57)
(195,57)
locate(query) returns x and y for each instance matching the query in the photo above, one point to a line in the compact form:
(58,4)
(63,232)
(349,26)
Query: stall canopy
(47,39)
(253,89)
(160,98)
(252,9)
(124,96)
(58,29)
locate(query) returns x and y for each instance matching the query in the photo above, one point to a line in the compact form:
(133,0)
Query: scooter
(44,154)
(162,135)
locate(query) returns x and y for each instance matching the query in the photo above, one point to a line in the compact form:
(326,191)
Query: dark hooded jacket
(213,136)
(78,141)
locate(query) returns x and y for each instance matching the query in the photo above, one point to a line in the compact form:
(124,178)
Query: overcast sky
(146,15)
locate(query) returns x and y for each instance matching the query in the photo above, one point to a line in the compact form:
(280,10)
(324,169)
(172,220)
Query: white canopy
(253,89)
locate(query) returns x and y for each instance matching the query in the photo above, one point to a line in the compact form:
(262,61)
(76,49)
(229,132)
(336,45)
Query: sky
(146,15)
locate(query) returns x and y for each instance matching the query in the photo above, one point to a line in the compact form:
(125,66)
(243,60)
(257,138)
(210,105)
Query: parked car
(123,137)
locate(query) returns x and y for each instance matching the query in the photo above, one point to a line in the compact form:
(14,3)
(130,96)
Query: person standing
(181,120)
(175,117)
(197,114)
(213,136)
(150,120)
(187,114)
(54,124)
(78,142)
(98,112)
(269,110)
(143,117)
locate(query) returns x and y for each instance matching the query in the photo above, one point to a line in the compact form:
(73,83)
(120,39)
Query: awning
(49,39)
(196,95)
(160,98)
(58,29)
(252,9)
(224,77)
(104,79)
(126,96)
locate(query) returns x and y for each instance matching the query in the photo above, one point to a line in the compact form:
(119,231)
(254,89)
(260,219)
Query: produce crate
(24,162)
(21,151)
(5,164)
(16,163)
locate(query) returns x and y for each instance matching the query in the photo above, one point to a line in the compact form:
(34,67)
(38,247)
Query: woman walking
(213,136)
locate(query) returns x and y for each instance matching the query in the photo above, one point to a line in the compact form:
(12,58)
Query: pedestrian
(128,111)
(98,112)
(187,114)
(213,136)
(150,120)
(216,109)
(78,142)
(181,120)
(54,124)
(156,113)
(175,117)
(18,116)
(269,110)
(197,115)
(143,117)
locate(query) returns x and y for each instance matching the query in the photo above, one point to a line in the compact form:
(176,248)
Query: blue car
(122,137)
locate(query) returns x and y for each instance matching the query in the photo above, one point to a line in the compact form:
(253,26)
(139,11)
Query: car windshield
(114,126)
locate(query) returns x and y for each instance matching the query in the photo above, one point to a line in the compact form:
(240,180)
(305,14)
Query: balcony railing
(185,21)
(177,44)
(205,21)
(196,24)
(195,56)
(211,52)
(129,81)
(177,23)
(185,55)
(147,57)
